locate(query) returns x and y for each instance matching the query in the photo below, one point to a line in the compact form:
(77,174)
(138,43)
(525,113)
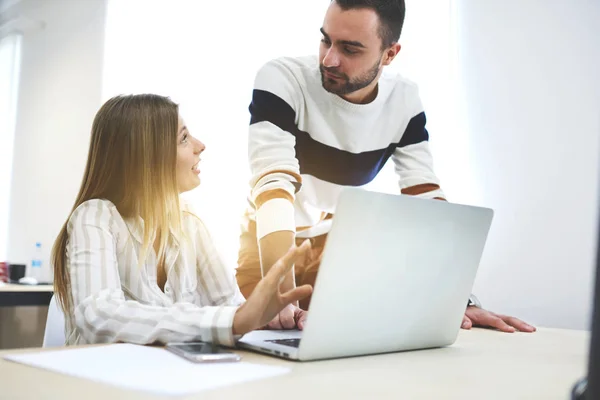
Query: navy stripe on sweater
(324,162)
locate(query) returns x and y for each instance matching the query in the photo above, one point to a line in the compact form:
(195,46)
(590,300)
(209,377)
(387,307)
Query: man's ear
(391,53)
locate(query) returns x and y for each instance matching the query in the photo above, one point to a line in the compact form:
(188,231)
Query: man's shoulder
(299,70)
(289,78)
(299,64)
(403,93)
(398,82)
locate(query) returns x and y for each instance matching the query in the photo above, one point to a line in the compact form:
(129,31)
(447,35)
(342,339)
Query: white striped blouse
(115,300)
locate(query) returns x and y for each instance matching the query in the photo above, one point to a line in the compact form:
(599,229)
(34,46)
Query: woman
(132,263)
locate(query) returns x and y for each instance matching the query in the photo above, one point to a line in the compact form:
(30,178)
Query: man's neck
(364,95)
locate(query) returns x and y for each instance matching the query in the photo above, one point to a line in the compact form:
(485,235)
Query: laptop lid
(396,274)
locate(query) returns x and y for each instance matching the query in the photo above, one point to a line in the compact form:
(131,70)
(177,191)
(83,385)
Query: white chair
(54,334)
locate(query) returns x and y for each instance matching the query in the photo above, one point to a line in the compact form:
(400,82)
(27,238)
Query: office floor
(22,327)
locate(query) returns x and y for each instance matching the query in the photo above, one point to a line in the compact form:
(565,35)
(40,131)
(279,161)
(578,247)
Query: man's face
(351,55)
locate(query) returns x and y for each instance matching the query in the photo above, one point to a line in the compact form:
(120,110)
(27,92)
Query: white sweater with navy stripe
(306,144)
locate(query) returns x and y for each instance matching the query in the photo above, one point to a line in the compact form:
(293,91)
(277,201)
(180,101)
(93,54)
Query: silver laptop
(396,275)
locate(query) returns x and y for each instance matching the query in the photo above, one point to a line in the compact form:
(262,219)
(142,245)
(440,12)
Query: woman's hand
(267,301)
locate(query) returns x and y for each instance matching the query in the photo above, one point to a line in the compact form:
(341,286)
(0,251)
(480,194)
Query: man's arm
(414,167)
(272,247)
(414,163)
(274,167)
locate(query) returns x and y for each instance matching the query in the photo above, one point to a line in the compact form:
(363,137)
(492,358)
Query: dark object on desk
(579,390)
(19,295)
(3,271)
(593,378)
(16,272)
(588,388)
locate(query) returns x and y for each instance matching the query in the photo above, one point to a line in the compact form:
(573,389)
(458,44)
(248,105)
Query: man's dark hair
(390,12)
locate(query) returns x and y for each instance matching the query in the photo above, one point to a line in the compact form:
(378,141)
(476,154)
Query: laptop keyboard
(286,342)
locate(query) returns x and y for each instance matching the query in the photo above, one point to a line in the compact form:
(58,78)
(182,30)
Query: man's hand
(291,317)
(478,317)
(267,300)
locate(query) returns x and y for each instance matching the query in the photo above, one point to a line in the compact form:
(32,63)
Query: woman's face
(188,158)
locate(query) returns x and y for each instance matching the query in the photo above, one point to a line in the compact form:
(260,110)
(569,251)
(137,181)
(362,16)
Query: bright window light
(10,65)
(204,55)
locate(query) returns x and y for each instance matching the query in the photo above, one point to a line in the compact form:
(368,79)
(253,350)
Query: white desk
(482,364)
(12,295)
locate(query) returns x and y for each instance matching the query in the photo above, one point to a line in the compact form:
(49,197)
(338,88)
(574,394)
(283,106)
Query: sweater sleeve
(275,171)
(413,161)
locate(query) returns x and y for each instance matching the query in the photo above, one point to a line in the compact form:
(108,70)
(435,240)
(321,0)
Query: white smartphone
(201,352)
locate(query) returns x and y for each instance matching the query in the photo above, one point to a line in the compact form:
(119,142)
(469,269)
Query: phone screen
(202,352)
(199,348)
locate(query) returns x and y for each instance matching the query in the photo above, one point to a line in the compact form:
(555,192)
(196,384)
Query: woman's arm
(217,285)
(101,312)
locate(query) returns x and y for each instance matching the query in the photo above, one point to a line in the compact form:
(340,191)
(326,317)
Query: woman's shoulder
(189,214)
(192,221)
(95,204)
(95,211)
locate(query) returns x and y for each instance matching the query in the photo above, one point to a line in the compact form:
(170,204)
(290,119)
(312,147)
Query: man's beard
(343,84)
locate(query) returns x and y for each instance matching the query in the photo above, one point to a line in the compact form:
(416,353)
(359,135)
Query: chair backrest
(54,334)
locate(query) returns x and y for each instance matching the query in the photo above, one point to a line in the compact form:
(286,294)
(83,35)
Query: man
(322,124)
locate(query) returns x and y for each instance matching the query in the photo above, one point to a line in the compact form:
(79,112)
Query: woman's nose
(199,147)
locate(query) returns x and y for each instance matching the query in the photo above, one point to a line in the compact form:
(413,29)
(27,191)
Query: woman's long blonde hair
(131,162)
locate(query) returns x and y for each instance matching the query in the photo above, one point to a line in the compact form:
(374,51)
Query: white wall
(138,57)
(60,92)
(6,5)
(531,91)
(530,74)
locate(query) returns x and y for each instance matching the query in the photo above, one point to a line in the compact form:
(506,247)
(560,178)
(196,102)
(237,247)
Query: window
(10,59)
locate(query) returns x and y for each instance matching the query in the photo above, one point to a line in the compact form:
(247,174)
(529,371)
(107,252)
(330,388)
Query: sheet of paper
(142,368)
